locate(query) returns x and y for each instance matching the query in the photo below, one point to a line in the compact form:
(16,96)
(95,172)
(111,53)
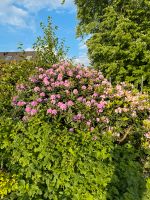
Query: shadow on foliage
(128,182)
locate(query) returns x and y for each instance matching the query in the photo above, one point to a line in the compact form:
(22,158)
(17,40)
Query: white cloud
(12,15)
(29,49)
(19,12)
(82,46)
(36,5)
(83,57)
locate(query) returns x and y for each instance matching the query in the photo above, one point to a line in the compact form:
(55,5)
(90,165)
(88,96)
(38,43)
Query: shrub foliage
(72,135)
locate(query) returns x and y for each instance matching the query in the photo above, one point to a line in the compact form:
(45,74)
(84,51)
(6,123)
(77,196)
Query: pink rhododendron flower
(41,76)
(28,109)
(53,101)
(103,96)
(67,92)
(36,89)
(147,135)
(105,82)
(134,114)
(71,130)
(49,110)
(92,129)
(52,111)
(15,98)
(45,81)
(25,118)
(34,103)
(60,77)
(20,87)
(50,71)
(21,103)
(49,88)
(93,101)
(52,80)
(78,117)
(78,76)
(80,72)
(53,97)
(33,112)
(66,83)
(62,67)
(57,84)
(41,69)
(95,94)
(42,94)
(70,103)
(83,87)
(101,77)
(97,119)
(62,105)
(80,99)
(39,100)
(125,109)
(101,105)
(70,73)
(90,87)
(88,123)
(58,96)
(75,91)
(96,85)
(105,119)
(45,99)
(88,103)
(33,79)
(100,110)
(84,100)
(118,110)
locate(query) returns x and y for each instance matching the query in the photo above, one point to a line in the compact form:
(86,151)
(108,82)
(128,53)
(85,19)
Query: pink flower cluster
(20,87)
(52,111)
(80,95)
(62,106)
(30,111)
(78,117)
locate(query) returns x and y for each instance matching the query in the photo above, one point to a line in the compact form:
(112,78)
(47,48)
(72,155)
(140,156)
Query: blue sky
(20,23)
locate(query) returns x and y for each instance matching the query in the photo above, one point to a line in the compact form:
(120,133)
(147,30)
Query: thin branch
(125,135)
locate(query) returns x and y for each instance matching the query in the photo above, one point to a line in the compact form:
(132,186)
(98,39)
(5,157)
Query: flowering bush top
(80,97)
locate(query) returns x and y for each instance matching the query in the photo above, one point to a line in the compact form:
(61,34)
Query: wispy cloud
(18,13)
(12,15)
(83,57)
(29,49)
(36,5)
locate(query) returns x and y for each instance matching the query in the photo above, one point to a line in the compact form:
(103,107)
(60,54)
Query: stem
(125,135)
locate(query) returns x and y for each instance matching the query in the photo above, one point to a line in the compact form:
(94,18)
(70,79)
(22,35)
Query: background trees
(119,43)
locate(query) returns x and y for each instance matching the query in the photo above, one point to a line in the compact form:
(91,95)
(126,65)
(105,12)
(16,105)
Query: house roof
(9,56)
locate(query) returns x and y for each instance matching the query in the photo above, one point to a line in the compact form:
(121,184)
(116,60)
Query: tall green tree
(119,43)
(49,49)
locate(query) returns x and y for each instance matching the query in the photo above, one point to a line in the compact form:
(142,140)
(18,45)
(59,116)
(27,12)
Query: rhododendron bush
(72,135)
(81,98)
